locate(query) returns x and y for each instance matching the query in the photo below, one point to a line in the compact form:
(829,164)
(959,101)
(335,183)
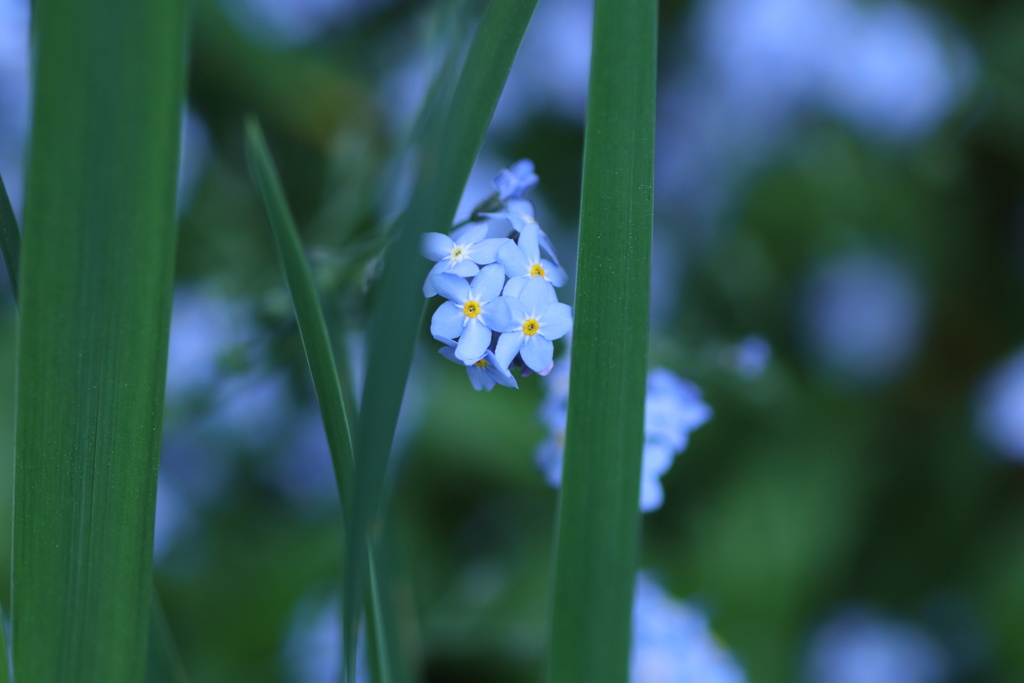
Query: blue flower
(462,258)
(529,324)
(674,408)
(484,373)
(519,213)
(672,641)
(514,182)
(862,645)
(522,261)
(657,460)
(467,314)
(751,356)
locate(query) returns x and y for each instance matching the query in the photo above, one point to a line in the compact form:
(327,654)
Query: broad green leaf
(10,238)
(447,159)
(95,291)
(598,520)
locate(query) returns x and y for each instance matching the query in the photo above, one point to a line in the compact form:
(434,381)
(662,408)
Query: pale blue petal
(517,180)
(452,287)
(480,378)
(498,314)
(487,285)
(545,244)
(448,321)
(514,260)
(528,242)
(458,235)
(503,377)
(657,458)
(473,233)
(487,251)
(449,353)
(508,346)
(549,458)
(556,322)
(429,289)
(474,342)
(652,495)
(463,268)
(537,295)
(537,353)
(436,246)
(514,287)
(520,208)
(555,274)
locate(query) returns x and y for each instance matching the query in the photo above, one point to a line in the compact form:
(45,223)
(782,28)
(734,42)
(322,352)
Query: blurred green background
(842,178)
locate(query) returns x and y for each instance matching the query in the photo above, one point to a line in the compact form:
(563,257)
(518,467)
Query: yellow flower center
(457,254)
(531,326)
(537,269)
(482,363)
(471,309)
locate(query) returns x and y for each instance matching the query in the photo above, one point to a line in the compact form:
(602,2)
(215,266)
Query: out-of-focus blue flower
(755,69)
(484,373)
(881,49)
(751,356)
(530,323)
(862,316)
(516,181)
(999,408)
(859,645)
(175,519)
(462,258)
(657,460)
(195,146)
(522,261)
(467,314)
(312,647)
(673,642)
(551,70)
(295,21)
(673,408)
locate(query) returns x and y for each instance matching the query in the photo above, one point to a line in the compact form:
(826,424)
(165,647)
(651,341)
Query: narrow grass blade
(308,312)
(447,158)
(10,238)
(598,521)
(317,345)
(95,288)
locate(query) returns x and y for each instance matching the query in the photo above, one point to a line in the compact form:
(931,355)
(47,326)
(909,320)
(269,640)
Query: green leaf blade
(598,524)
(319,355)
(447,159)
(95,292)
(308,313)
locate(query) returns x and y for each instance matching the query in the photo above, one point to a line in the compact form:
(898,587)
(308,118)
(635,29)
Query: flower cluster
(501,309)
(672,641)
(674,407)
